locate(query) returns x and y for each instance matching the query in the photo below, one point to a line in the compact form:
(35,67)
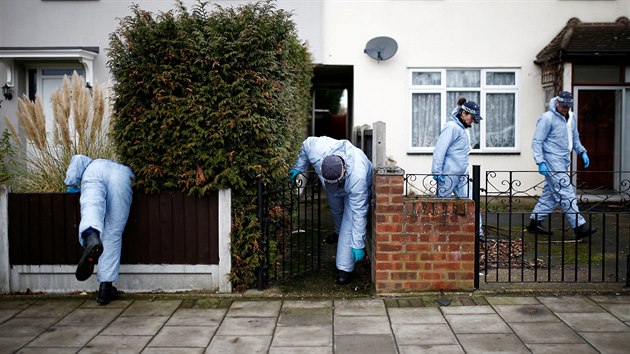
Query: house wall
(450,33)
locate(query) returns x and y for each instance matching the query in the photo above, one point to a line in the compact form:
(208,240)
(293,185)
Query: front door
(597,111)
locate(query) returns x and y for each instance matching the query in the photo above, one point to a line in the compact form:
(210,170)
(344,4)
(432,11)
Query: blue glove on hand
(586,160)
(358,254)
(293,174)
(439,178)
(73,189)
(543,169)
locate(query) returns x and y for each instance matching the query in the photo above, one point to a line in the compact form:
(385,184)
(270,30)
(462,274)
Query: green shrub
(209,100)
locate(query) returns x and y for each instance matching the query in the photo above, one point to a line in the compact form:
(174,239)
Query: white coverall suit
(450,159)
(105,200)
(553,141)
(349,205)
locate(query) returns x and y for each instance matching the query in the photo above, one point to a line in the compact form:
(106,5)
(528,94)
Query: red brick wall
(420,244)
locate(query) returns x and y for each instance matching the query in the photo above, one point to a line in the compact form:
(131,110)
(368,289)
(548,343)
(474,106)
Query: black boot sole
(85,268)
(104,299)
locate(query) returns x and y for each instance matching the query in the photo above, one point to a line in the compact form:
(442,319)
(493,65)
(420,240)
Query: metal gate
(290,230)
(509,253)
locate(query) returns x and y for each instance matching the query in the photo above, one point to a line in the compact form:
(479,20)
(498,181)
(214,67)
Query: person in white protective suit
(346,174)
(105,200)
(555,137)
(450,156)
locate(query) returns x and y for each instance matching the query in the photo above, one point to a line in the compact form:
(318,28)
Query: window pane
(500,120)
(500,78)
(451,99)
(463,78)
(60,72)
(596,73)
(426,113)
(426,78)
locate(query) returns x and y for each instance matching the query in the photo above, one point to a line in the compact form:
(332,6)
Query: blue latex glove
(73,189)
(586,160)
(293,174)
(439,178)
(358,254)
(543,169)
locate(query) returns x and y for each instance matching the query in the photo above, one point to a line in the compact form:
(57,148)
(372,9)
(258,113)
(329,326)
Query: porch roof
(604,41)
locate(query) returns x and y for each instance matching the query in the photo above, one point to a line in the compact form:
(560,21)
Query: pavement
(443,323)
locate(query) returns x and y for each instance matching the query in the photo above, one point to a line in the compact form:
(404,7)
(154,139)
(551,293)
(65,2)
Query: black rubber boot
(332,238)
(106,293)
(344,277)
(583,231)
(91,251)
(536,228)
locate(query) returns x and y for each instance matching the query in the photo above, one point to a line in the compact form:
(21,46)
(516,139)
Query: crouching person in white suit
(105,200)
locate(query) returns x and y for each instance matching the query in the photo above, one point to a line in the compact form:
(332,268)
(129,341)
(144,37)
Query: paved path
(480,324)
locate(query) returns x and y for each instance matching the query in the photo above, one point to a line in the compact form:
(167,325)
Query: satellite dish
(381,48)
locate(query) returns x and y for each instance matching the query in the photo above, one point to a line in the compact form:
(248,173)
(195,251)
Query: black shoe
(344,277)
(106,293)
(91,251)
(536,228)
(332,238)
(583,231)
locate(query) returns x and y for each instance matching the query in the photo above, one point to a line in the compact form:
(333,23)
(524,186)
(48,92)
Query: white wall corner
(225,227)
(5,271)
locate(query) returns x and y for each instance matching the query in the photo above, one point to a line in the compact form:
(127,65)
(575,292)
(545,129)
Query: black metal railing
(290,229)
(447,185)
(514,251)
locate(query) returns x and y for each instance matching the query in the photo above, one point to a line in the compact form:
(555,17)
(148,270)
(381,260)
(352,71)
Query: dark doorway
(332,101)
(596,124)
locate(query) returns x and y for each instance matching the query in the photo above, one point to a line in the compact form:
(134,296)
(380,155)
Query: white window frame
(447,107)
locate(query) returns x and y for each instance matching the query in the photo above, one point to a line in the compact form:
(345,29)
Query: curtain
(426,113)
(500,120)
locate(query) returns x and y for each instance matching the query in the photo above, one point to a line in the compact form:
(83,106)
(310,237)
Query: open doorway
(332,102)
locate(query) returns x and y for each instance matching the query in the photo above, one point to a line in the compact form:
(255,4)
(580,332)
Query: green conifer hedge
(206,100)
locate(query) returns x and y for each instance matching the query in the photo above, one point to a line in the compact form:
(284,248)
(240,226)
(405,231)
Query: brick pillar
(420,244)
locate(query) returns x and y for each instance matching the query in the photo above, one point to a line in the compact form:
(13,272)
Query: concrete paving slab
(512,300)
(307,304)
(151,308)
(301,350)
(545,333)
(239,344)
(50,308)
(608,342)
(621,311)
(135,326)
(362,325)
(196,317)
(247,326)
(485,323)
(5,314)
(118,304)
(309,316)
(415,315)
(491,343)
(306,336)
(561,349)
(23,327)
(15,304)
(360,307)
(173,351)
(116,344)
(365,344)
(570,304)
(183,336)
(466,310)
(48,350)
(90,317)
(525,313)
(65,336)
(433,349)
(9,345)
(254,309)
(611,299)
(593,322)
(424,334)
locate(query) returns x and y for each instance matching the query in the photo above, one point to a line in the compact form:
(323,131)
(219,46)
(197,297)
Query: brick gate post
(420,243)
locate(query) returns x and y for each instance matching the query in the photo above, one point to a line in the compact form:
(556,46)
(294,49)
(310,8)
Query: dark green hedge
(215,99)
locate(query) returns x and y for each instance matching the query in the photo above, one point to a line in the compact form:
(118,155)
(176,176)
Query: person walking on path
(555,137)
(346,174)
(106,196)
(450,156)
